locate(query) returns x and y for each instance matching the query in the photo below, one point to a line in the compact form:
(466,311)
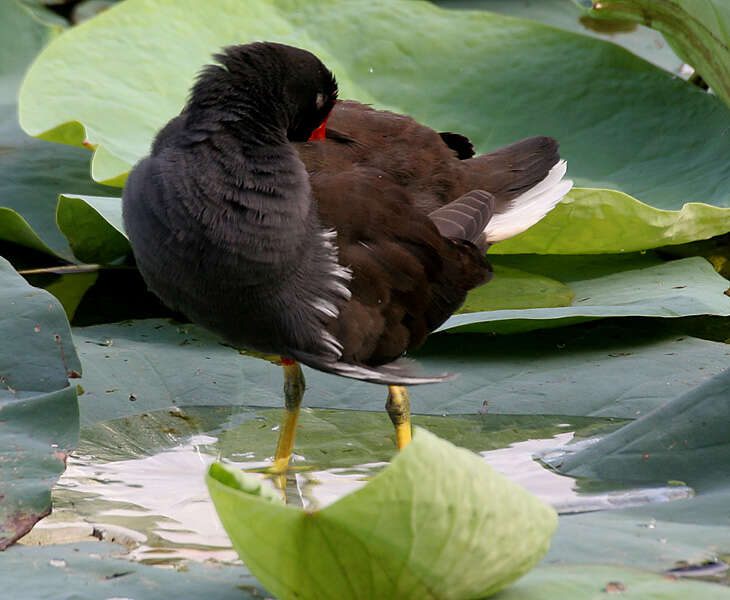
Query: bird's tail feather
(403,371)
(530,206)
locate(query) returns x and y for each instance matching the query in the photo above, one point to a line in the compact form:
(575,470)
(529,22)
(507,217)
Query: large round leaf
(569,15)
(32,172)
(686,439)
(94,570)
(591,221)
(588,582)
(39,413)
(629,368)
(494,78)
(657,536)
(698,31)
(607,286)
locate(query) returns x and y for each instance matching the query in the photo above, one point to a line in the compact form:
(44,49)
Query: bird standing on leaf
(326,232)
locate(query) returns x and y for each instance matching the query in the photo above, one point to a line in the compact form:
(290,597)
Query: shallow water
(139,481)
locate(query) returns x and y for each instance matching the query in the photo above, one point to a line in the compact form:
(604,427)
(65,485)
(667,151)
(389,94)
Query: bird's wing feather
(466,217)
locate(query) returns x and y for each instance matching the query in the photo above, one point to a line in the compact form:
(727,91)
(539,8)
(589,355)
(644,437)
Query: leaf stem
(61,270)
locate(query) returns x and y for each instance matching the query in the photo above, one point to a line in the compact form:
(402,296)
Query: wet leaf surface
(93,570)
(144,474)
(611,369)
(140,480)
(597,581)
(687,439)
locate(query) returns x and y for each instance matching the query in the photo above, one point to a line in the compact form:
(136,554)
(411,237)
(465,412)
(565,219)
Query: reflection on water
(163,497)
(140,481)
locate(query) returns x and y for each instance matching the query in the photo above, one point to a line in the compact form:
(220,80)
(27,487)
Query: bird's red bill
(320,132)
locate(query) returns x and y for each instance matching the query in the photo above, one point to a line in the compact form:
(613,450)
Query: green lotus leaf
(22,38)
(683,439)
(438,522)
(698,31)
(569,15)
(686,439)
(32,172)
(43,13)
(589,221)
(636,285)
(658,536)
(40,418)
(93,227)
(92,570)
(658,136)
(584,582)
(629,366)
(37,573)
(69,288)
(513,289)
(15,229)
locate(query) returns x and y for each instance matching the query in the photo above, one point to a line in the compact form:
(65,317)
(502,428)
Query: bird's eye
(320,100)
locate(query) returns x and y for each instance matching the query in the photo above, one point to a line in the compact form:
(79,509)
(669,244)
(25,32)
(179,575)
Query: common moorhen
(340,248)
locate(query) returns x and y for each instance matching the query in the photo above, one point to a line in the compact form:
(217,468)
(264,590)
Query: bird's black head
(274,81)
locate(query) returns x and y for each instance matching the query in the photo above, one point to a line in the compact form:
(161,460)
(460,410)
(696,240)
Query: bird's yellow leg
(399,410)
(293,392)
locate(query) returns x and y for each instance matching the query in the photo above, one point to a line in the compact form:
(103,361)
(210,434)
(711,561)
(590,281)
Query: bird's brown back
(425,163)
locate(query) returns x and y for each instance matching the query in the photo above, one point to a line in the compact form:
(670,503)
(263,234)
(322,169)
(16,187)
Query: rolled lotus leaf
(437,523)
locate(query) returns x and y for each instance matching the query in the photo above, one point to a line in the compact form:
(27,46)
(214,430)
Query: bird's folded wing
(466,217)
